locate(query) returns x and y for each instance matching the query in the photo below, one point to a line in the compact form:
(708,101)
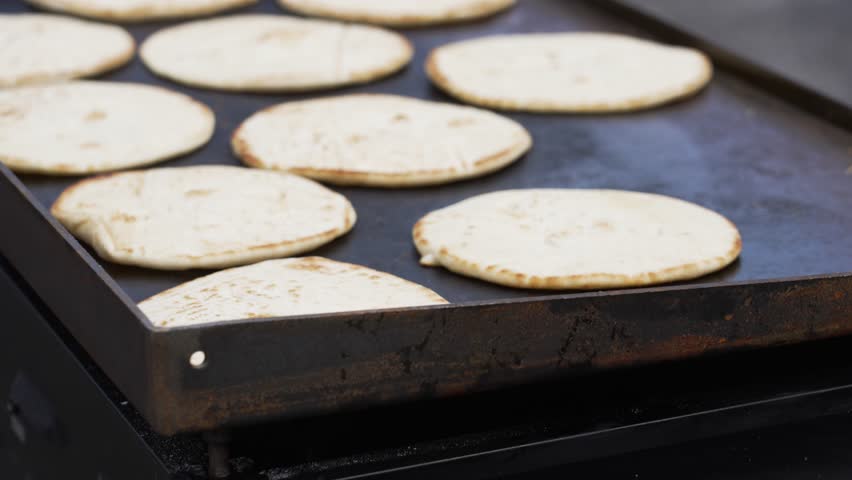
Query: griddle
(744,147)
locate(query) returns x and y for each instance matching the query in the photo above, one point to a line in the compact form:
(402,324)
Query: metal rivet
(198,359)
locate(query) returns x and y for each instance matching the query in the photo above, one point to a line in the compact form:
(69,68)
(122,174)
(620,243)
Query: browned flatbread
(279,288)
(380,140)
(399,13)
(576,239)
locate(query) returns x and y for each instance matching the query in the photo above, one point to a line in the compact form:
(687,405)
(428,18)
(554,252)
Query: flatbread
(85,127)
(202,217)
(380,140)
(576,239)
(41,48)
(139,10)
(567,72)
(399,13)
(269,53)
(279,288)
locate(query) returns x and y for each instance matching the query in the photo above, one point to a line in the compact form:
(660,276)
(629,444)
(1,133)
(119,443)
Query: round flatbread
(380,140)
(202,217)
(84,127)
(567,72)
(399,13)
(40,48)
(576,239)
(274,53)
(140,10)
(279,288)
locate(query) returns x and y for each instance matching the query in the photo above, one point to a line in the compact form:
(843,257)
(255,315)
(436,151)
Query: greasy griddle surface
(778,173)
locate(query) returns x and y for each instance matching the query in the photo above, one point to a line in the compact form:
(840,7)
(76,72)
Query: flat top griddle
(780,174)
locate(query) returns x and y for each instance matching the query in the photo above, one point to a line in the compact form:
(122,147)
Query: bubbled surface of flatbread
(399,13)
(567,72)
(85,127)
(273,53)
(202,217)
(576,239)
(41,48)
(139,10)
(288,287)
(380,140)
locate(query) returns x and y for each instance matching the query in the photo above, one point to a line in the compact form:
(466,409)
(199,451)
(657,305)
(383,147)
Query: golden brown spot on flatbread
(95,115)
(400,117)
(89,145)
(123,217)
(308,266)
(460,122)
(197,193)
(356,139)
(9,112)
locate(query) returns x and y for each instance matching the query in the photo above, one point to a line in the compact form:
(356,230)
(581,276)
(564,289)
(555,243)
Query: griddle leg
(217,454)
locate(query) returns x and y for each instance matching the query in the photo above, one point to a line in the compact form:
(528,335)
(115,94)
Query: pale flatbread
(139,10)
(84,127)
(576,239)
(274,53)
(202,217)
(380,140)
(40,48)
(280,288)
(399,13)
(567,72)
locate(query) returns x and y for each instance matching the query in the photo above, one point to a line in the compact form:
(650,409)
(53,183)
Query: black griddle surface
(780,174)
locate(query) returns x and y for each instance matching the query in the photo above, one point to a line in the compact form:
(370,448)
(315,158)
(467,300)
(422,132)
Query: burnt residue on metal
(772,169)
(292,367)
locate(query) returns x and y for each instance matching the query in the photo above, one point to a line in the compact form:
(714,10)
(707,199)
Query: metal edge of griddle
(762,76)
(512,450)
(316,364)
(76,289)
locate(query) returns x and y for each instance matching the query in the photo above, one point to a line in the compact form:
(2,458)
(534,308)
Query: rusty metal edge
(321,364)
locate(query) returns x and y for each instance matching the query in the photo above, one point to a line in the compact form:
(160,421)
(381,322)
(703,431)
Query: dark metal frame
(56,418)
(275,368)
(56,394)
